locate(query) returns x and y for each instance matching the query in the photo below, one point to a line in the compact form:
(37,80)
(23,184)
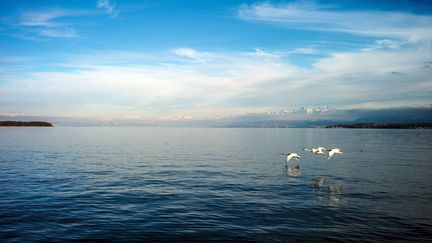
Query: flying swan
(292,156)
(333,152)
(319,150)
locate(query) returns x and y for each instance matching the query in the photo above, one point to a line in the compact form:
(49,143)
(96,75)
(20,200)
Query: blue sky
(202,59)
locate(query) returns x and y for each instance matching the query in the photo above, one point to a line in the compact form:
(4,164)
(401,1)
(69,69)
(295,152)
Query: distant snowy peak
(279,113)
(307,110)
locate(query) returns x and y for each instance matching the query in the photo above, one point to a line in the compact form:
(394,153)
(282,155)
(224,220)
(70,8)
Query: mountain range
(306,116)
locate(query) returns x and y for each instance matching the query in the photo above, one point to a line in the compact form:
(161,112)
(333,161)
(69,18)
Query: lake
(183,184)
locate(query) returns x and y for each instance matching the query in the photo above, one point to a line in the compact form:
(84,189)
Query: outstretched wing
(293,156)
(331,153)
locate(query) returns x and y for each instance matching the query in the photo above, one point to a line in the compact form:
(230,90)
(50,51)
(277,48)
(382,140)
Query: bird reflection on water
(293,170)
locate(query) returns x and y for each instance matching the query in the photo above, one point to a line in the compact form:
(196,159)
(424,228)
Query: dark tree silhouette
(25,124)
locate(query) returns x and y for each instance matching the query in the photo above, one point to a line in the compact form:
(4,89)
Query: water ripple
(67,185)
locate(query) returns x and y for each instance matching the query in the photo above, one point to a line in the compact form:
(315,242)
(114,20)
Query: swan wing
(289,157)
(293,156)
(331,153)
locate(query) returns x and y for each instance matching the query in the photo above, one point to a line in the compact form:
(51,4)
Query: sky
(167,60)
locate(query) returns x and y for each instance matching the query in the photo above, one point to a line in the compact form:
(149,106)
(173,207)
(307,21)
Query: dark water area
(183,184)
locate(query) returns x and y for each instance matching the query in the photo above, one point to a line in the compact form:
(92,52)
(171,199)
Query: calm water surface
(120,184)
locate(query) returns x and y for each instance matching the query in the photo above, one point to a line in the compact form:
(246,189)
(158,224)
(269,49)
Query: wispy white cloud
(192,54)
(384,44)
(225,84)
(45,18)
(67,32)
(108,7)
(259,52)
(322,18)
(50,23)
(56,23)
(305,50)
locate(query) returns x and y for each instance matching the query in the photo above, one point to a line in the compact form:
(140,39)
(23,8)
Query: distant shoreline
(385,125)
(25,124)
(350,126)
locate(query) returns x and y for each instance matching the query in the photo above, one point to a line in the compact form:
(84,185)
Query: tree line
(25,124)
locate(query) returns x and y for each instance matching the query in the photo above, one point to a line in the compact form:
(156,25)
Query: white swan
(319,150)
(292,156)
(333,152)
